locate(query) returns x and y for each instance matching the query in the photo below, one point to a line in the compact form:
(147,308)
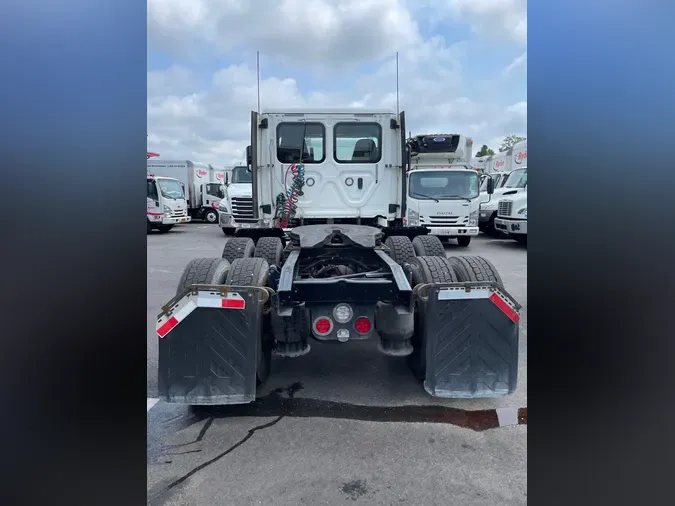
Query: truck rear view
(336,180)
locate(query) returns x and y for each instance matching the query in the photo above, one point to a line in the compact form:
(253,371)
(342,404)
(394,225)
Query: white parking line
(152,402)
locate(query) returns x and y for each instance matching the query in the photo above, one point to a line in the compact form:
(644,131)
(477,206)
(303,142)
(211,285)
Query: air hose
(286,203)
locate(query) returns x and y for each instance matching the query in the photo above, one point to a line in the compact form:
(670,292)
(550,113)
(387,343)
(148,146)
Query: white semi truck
(443,190)
(236,211)
(202,190)
(166,205)
(348,272)
(512,217)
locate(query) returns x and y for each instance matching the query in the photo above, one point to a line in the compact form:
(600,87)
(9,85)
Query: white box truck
(443,190)
(512,217)
(166,205)
(509,169)
(202,192)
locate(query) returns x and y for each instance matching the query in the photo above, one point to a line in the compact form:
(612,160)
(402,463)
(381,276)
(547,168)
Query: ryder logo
(499,164)
(520,157)
(201,173)
(220,176)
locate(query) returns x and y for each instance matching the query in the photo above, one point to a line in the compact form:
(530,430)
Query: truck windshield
(215,190)
(517,179)
(443,185)
(241,175)
(170,188)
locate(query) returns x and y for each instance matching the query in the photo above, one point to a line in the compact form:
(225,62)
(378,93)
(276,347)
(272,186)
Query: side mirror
(249,155)
(490,185)
(227,179)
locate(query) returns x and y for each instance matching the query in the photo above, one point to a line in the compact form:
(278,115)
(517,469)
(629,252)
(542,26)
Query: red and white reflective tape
(481,293)
(189,303)
(154,214)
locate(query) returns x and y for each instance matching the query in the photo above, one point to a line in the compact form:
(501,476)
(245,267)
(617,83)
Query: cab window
(357,142)
(301,142)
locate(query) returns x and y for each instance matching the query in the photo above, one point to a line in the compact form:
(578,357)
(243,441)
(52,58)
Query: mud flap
(208,345)
(470,339)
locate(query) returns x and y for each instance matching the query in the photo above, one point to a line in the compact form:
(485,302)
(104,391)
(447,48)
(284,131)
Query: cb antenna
(257,71)
(397,107)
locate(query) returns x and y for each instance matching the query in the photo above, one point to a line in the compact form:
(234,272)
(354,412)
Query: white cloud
(309,31)
(207,119)
(518,62)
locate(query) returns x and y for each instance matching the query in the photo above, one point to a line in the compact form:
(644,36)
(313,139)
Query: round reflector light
(342,313)
(323,325)
(362,325)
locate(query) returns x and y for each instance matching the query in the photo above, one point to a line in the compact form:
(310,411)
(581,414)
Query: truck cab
(236,211)
(443,191)
(512,217)
(516,183)
(166,204)
(317,166)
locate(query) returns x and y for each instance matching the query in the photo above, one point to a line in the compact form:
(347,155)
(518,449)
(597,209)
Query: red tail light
(323,325)
(362,325)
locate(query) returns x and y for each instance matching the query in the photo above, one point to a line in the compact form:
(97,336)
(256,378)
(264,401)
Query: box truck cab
(236,211)
(202,190)
(512,217)
(443,191)
(166,205)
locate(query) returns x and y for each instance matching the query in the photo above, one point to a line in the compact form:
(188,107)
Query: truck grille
(505,208)
(181,213)
(242,208)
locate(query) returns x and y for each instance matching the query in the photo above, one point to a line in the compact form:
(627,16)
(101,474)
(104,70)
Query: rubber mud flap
(471,346)
(209,358)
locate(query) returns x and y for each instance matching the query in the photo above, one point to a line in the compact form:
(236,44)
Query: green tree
(484,151)
(509,141)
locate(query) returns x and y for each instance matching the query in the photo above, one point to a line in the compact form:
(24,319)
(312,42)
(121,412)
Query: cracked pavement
(342,425)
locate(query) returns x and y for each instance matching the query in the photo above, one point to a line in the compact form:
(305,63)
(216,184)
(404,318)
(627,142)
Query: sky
(462,67)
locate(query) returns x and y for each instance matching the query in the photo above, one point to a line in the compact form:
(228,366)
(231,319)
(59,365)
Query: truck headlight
(167,211)
(489,206)
(473,218)
(413,218)
(523,212)
(222,208)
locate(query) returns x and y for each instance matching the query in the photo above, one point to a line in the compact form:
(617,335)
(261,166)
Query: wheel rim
(211,217)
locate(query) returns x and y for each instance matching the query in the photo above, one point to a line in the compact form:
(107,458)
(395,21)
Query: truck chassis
(451,317)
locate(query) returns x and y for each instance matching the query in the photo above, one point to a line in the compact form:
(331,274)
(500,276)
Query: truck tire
(464,241)
(210,216)
(428,246)
(163,229)
(432,269)
(203,271)
(426,270)
(238,247)
(400,249)
(227,230)
(474,269)
(269,248)
(254,272)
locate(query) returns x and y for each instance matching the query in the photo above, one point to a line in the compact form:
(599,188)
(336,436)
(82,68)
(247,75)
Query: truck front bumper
(511,226)
(161,219)
(453,231)
(225,220)
(484,216)
(250,224)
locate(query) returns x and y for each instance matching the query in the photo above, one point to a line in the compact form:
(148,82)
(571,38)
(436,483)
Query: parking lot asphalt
(341,425)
